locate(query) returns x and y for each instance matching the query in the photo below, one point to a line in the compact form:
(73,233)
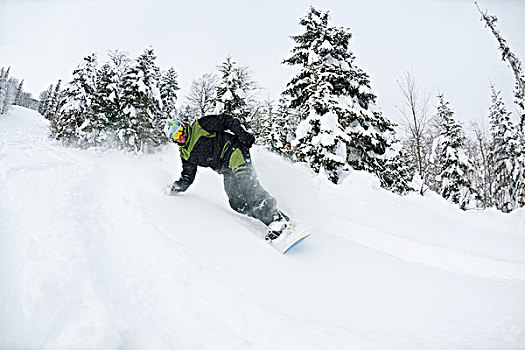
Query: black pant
(245,193)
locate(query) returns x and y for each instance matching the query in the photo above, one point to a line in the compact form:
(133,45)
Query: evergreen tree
(263,126)
(104,109)
(169,86)
(76,110)
(283,124)
(118,104)
(399,171)
(454,167)
(2,72)
(506,153)
(333,100)
(1,88)
(4,90)
(11,91)
(42,97)
(12,84)
(108,101)
(19,94)
(520,176)
(319,136)
(45,101)
(142,105)
(233,92)
(55,100)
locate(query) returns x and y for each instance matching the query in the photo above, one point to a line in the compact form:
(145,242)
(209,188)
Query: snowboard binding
(278,225)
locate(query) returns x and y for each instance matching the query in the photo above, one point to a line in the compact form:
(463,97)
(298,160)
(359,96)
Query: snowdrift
(95,255)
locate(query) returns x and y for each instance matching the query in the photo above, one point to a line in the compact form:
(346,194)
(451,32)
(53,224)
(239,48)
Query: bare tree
(415,118)
(202,93)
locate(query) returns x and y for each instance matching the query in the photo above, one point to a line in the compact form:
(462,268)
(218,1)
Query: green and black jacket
(209,144)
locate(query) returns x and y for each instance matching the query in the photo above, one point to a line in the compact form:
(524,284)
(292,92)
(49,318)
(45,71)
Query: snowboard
(292,235)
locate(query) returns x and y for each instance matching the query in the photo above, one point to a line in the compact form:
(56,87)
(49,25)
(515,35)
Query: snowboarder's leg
(245,193)
(237,202)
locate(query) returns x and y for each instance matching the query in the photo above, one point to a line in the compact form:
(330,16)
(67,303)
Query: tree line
(122,103)
(12,93)
(485,171)
(326,117)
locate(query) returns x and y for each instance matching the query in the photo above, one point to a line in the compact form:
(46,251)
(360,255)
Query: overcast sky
(442,41)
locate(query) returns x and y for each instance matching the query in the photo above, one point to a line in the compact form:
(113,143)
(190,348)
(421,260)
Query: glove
(175,188)
(247,139)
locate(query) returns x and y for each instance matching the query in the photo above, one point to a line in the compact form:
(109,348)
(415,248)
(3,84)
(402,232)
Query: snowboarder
(221,143)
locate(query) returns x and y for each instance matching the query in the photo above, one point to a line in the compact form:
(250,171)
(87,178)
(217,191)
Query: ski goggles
(174,129)
(176,136)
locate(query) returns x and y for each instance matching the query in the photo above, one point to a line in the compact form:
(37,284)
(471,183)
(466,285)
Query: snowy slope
(94,255)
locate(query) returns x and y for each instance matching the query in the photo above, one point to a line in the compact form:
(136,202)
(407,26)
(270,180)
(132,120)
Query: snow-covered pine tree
(104,109)
(142,105)
(4,80)
(262,126)
(283,128)
(506,153)
(454,167)
(319,135)
(234,92)
(108,96)
(55,100)
(19,93)
(45,100)
(41,98)
(8,88)
(520,174)
(333,99)
(1,88)
(399,170)
(169,85)
(76,109)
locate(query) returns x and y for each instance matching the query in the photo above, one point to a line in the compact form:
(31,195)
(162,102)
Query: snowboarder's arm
(189,170)
(223,122)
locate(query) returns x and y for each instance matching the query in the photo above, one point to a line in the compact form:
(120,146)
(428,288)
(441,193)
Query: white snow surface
(95,255)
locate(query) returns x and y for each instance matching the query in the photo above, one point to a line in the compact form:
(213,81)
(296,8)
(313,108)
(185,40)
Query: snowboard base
(292,235)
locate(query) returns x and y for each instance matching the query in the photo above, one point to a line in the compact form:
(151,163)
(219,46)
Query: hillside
(95,255)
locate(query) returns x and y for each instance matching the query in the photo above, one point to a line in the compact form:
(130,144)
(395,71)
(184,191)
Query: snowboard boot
(277,226)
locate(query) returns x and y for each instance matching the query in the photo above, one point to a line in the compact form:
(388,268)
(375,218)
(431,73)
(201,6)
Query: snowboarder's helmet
(174,129)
